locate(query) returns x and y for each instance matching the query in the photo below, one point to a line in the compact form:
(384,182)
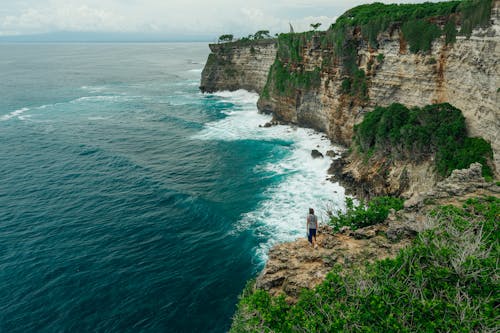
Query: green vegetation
(372,19)
(419,133)
(226,38)
(285,73)
(385,14)
(450,31)
(475,13)
(356,85)
(290,46)
(378,17)
(315,26)
(432,61)
(261,34)
(418,23)
(287,81)
(446,281)
(360,216)
(420,34)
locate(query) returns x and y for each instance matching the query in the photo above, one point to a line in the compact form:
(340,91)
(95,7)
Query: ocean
(131,202)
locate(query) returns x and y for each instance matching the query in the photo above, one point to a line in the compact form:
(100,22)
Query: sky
(168,19)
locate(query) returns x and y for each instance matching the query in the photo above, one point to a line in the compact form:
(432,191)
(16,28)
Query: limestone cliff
(237,65)
(465,74)
(302,80)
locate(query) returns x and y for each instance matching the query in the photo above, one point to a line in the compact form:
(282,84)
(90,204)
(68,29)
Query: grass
(446,281)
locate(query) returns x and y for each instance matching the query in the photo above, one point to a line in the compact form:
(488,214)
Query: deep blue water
(131,202)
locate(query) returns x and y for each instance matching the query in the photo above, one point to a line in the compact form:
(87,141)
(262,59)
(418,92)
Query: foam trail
(104,98)
(93,89)
(16,113)
(281,215)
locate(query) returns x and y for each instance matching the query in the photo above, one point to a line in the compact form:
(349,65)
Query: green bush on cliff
(450,32)
(287,81)
(382,15)
(462,156)
(356,85)
(475,13)
(363,215)
(420,34)
(446,281)
(420,133)
(290,46)
(377,17)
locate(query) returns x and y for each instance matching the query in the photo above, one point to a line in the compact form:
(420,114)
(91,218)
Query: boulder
(316,154)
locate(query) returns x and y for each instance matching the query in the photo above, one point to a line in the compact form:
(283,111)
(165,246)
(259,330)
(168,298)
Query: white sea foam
(102,98)
(16,113)
(195,70)
(93,89)
(97,118)
(281,215)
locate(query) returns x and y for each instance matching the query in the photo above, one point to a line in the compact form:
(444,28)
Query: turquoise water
(131,202)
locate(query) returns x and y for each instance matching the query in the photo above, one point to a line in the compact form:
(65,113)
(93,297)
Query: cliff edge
(238,65)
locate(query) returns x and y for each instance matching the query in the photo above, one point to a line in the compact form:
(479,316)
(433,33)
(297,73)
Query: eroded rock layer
(233,66)
(465,74)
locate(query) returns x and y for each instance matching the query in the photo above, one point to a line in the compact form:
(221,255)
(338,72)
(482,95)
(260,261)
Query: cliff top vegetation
(445,282)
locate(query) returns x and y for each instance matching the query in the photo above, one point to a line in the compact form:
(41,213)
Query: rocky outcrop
(238,65)
(461,183)
(294,266)
(369,177)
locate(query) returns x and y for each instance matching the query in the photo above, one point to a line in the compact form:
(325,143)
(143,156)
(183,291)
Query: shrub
(450,31)
(446,281)
(356,85)
(376,211)
(420,34)
(416,134)
(474,13)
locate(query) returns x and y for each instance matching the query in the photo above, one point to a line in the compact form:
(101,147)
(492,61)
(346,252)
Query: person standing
(312,227)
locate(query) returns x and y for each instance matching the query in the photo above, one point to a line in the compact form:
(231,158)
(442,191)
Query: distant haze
(157,20)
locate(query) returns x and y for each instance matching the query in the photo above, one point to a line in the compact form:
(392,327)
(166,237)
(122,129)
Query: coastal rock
(459,183)
(465,74)
(294,266)
(237,65)
(316,154)
(331,153)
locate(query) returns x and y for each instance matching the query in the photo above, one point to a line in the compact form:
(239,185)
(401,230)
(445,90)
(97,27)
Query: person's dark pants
(312,232)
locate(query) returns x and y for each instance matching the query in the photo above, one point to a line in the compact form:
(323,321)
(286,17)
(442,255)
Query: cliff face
(308,80)
(465,74)
(233,66)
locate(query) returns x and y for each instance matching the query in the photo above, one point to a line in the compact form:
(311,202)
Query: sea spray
(280,216)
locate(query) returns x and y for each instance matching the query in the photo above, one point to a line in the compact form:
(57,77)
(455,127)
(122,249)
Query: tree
(226,38)
(315,26)
(261,34)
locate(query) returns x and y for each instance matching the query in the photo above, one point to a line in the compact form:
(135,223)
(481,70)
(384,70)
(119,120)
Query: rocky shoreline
(296,265)
(464,74)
